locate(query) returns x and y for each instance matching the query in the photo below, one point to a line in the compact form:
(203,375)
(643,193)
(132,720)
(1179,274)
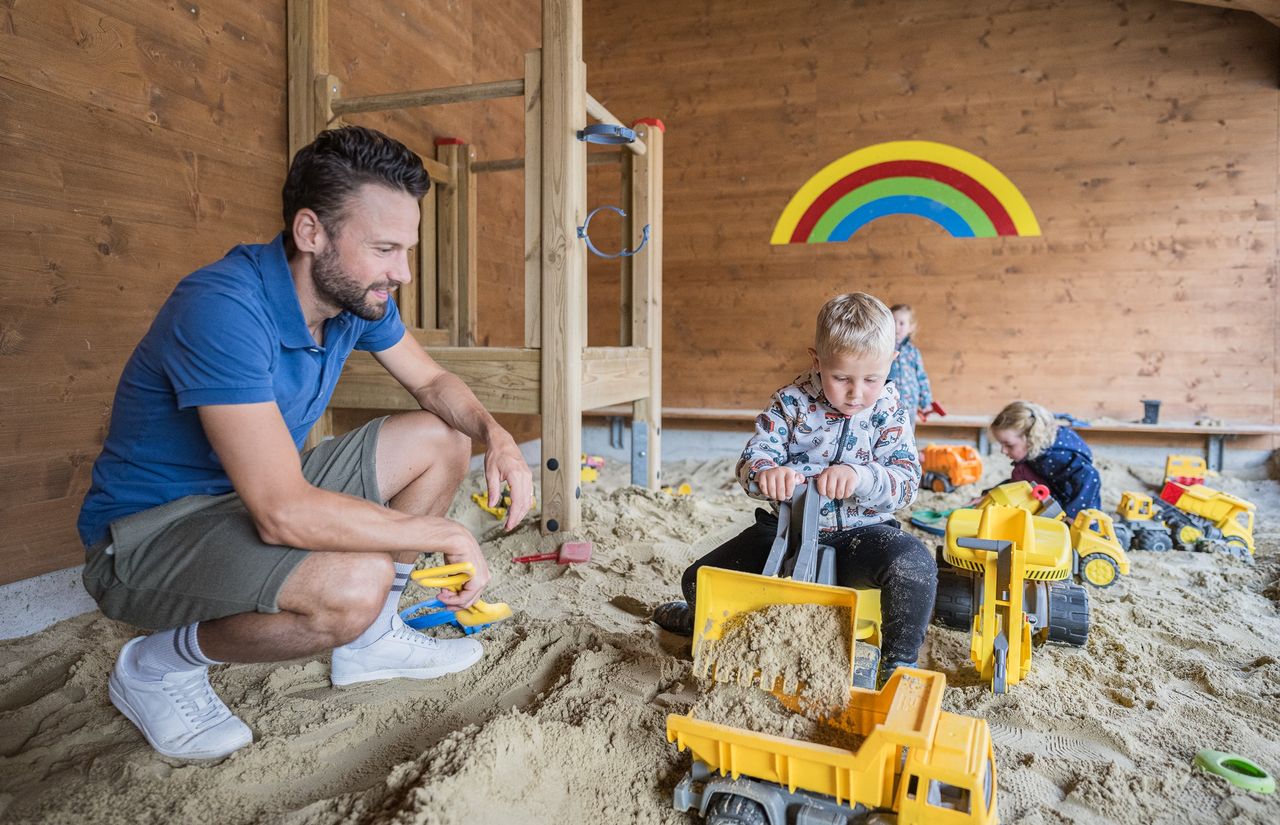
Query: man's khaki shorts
(200,557)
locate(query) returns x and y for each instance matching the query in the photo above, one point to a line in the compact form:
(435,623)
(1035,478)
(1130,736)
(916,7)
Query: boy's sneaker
(675,617)
(403,652)
(180,715)
(887,669)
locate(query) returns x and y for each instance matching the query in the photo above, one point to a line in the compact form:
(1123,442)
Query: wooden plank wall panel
(1143,134)
(139,141)
(136,144)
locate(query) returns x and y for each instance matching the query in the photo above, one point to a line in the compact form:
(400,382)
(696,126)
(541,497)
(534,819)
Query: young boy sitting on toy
(842,425)
(1046,451)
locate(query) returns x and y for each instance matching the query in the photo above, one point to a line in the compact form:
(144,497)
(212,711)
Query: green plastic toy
(1237,770)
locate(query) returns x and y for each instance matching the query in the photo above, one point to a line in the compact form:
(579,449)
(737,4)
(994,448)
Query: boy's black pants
(877,556)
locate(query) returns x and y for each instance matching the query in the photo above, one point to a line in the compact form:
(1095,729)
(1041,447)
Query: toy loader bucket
(723,594)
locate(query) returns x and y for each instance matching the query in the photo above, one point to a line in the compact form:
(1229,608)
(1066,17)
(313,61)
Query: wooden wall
(1144,135)
(139,141)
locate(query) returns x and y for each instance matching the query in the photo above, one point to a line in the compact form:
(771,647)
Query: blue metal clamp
(610,134)
(626,253)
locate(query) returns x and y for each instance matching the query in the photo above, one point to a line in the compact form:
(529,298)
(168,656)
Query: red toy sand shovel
(571,552)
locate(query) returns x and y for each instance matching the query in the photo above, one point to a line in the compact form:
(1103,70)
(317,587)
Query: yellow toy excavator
(1007,583)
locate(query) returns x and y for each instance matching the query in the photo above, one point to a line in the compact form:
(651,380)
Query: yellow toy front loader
(1014,567)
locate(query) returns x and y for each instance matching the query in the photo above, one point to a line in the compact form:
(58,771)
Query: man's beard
(337,289)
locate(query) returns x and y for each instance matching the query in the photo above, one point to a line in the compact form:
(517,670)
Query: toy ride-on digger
(915,760)
(1006,579)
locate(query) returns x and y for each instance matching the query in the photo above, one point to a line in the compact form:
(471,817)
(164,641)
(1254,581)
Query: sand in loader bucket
(800,650)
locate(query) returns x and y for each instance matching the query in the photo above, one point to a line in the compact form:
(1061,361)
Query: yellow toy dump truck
(916,765)
(1099,558)
(945,467)
(1189,517)
(1007,583)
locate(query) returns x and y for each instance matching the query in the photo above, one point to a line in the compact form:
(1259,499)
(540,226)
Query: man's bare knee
(347,593)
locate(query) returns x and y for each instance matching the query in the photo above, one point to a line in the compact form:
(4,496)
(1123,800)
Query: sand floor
(563,719)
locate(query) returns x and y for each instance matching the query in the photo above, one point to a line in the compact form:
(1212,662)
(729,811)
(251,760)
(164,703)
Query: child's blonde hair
(855,323)
(1031,421)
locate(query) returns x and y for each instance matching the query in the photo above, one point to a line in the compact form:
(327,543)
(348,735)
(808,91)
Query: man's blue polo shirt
(231,333)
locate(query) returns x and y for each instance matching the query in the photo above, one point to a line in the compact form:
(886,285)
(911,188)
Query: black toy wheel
(1068,614)
(953,606)
(1153,541)
(735,810)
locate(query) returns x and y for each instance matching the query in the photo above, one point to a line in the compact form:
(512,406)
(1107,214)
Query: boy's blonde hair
(1031,421)
(855,323)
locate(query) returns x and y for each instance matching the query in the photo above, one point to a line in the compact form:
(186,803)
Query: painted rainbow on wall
(955,189)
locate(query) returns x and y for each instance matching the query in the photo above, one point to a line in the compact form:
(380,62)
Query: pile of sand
(563,720)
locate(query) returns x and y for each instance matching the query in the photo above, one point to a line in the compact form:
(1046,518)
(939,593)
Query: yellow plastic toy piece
(928,766)
(1022,494)
(499,512)
(685,489)
(1185,469)
(1102,561)
(453,577)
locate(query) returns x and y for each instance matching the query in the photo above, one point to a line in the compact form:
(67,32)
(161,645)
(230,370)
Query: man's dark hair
(328,171)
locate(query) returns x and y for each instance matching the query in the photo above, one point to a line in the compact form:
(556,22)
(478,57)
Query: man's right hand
(456,544)
(778,483)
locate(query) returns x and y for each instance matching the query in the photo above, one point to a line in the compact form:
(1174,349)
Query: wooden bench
(1215,436)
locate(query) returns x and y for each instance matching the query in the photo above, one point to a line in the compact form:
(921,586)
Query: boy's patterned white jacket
(802,431)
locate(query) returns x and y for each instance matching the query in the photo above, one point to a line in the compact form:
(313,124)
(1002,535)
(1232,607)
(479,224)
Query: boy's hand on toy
(838,481)
(778,483)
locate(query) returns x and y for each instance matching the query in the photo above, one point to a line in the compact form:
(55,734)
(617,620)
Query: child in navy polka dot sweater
(1045,451)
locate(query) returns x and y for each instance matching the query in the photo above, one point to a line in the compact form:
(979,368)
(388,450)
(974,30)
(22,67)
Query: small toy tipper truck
(1186,516)
(916,765)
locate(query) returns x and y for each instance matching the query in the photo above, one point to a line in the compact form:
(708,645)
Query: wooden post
(626,265)
(448,240)
(533,198)
(563,261)
(468,224)
(646,302)
(428,266)
(309,99)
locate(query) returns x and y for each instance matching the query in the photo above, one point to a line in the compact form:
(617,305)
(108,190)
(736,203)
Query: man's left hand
(503,462)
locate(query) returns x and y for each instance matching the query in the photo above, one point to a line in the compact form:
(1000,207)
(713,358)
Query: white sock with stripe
(390,609)
(168,651)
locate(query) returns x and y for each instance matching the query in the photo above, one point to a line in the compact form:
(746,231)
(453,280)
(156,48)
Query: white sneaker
(403,652)
(180,715)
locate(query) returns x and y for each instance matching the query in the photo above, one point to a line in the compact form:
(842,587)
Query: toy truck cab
(915,761)
(1099,558)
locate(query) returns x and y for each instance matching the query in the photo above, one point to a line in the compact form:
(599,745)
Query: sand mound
(563,720)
